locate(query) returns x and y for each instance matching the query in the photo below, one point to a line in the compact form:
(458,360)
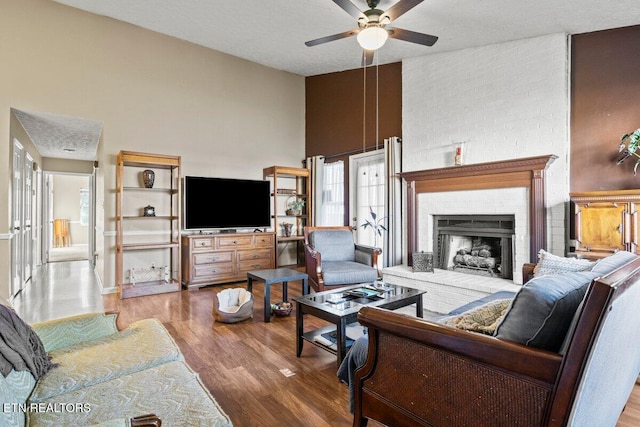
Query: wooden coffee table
(327,305)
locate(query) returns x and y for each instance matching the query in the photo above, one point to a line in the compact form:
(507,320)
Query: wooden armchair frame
(313,258)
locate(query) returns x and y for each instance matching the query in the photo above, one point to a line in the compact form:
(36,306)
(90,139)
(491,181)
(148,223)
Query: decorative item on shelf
(286,191)
(286,228)
(149,211)
(281,309)
(459,149)
(422,262)
(148,178)
(294,206)
(149,274)
(376,224)
(629,148)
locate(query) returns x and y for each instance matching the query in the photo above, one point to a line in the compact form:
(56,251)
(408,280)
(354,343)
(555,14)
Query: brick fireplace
(512,191)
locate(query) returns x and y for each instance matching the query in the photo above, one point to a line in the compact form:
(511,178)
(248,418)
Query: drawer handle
(255,265)
(212,259)
(202,243)
(256,256)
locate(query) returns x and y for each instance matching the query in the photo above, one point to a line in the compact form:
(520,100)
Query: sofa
(546,356)
(99,375)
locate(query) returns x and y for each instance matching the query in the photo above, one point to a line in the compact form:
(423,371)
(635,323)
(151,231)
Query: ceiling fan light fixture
(372,37)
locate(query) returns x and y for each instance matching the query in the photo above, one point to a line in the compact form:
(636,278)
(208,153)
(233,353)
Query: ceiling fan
(371,31)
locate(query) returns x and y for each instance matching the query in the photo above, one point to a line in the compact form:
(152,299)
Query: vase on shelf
(148,178)
(287,227)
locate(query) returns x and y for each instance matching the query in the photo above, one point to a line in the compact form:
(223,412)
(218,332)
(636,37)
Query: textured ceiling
(61,136)
(273,32)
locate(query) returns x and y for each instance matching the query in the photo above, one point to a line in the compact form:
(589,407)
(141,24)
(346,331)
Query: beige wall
(225,116)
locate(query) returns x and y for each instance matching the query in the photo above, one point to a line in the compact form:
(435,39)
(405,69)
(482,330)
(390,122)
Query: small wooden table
(340,308)
(277,275)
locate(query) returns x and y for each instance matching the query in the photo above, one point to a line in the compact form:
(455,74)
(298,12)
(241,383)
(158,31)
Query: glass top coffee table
(340,306)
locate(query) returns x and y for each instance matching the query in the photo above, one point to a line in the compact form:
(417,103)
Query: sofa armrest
(367,255)
(527,271)
(442,367)
(67,331)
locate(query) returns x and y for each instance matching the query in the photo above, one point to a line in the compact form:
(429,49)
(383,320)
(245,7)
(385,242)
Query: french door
(367,194)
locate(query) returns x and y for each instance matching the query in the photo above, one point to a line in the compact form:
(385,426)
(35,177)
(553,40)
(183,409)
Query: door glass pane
(369,198)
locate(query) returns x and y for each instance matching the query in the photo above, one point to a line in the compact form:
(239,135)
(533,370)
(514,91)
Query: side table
(277,275)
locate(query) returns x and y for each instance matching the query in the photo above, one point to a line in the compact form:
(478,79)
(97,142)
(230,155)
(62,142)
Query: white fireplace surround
(511,187)
(503,201)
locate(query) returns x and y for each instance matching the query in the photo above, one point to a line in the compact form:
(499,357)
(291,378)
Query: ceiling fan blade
(350,8)
(400,8)
(331,38)
(367,57)
(412,36)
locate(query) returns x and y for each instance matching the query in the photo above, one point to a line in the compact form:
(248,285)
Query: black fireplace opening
(475,244)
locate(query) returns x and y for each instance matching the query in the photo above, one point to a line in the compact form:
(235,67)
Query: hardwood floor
(241,363)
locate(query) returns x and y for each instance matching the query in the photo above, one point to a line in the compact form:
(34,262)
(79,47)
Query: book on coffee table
(329,339)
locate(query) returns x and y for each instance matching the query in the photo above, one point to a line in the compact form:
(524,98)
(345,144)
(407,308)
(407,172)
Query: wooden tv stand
(210,259)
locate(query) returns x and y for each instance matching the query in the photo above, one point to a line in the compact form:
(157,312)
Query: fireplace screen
(475,244)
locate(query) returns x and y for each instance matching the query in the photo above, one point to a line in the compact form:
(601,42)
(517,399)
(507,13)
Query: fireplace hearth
(475,244)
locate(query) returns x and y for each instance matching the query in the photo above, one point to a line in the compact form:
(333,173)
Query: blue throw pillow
(541,312)
(607,265)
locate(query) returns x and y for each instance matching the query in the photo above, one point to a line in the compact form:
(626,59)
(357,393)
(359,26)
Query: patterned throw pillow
(482,319)
(549,263)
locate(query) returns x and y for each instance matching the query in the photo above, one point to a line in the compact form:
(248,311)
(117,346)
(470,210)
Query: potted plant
(295,207)
(376,224)
(630,148)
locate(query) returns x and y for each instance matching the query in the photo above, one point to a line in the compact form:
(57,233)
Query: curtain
(393,202)
(315,165)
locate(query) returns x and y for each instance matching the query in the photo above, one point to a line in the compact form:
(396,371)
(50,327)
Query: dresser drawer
(212,257)
(234,241)
(202,243)
(212,271)
(265,241)
(254,264)
(254,254)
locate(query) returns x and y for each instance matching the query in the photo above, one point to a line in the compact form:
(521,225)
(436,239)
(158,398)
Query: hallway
(59,289)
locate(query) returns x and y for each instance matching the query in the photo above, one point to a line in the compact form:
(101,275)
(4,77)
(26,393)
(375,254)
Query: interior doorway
(68,216)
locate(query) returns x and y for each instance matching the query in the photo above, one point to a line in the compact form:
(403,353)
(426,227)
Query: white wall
(508,100)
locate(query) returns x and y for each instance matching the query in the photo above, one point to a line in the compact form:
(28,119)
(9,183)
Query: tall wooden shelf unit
(147,241)
(287,183)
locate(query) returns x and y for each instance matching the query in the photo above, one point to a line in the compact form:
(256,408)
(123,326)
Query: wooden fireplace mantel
(526,172)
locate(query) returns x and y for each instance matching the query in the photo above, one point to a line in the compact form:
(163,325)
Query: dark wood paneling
(335,114)
(605,87)
(334,109)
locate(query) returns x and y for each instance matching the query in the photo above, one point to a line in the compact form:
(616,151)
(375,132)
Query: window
(333,194)
(84,207)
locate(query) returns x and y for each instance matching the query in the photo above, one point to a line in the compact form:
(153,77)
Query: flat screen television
(226,203)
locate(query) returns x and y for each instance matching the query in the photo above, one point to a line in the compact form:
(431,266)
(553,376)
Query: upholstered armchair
(334,259)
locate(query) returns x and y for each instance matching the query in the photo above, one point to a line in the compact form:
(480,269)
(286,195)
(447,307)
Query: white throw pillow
(549,263)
